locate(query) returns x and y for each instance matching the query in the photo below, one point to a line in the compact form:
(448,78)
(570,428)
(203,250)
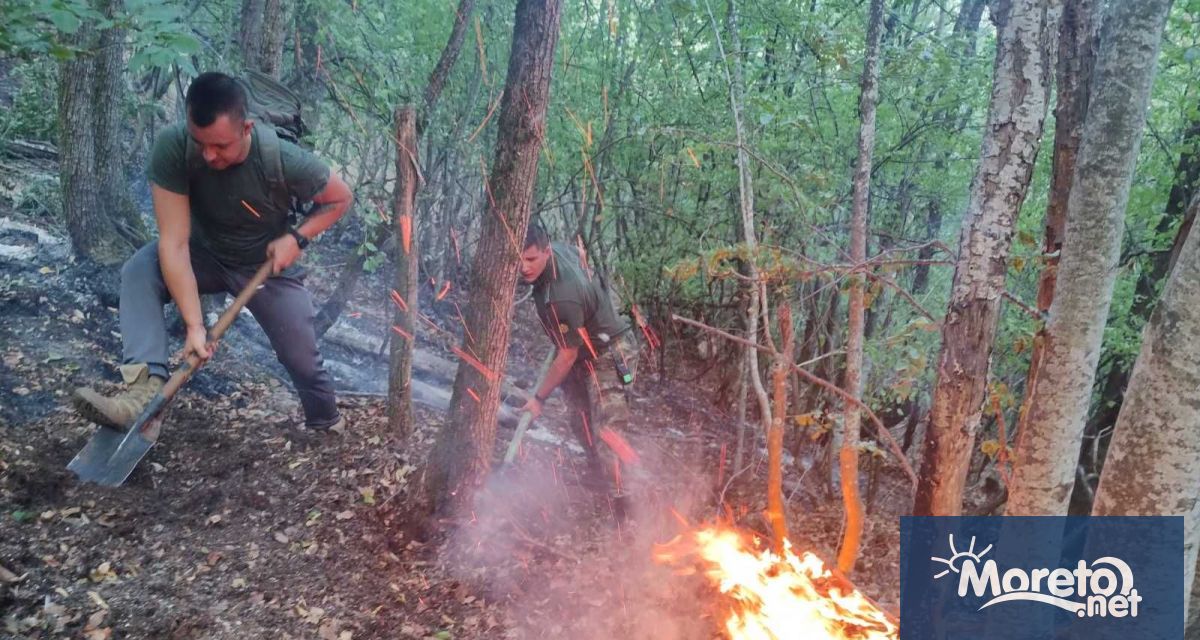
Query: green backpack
(276,111)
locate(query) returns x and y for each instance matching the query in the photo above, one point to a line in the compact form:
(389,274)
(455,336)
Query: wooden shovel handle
(227,317)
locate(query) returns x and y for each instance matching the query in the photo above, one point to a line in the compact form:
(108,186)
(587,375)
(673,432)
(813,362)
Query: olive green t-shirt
(235,212)
(567,299)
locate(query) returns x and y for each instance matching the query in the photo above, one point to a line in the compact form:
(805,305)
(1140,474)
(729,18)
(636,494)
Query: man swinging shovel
(112,453)
(224,184)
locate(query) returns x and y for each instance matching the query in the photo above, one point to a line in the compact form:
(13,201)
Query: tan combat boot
(123,409)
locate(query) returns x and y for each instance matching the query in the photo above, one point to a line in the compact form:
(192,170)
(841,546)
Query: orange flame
(774,597)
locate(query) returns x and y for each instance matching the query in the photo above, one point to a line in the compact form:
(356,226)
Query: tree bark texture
(1151,465)
(1056,404)
(855,333)
(780,370)
(1178,216)
(263,27)
(1019,98)
(757,291)
(462,453)
(101,218)
(400,415)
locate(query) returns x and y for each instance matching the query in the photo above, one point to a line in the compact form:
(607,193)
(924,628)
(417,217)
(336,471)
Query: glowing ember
(773,598)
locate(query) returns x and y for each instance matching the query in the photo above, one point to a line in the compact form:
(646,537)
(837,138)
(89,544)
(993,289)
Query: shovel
(110,456)
(526,418)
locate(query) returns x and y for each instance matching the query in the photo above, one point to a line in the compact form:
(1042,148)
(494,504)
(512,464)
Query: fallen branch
(1033,313)
(28,150)
(884,434)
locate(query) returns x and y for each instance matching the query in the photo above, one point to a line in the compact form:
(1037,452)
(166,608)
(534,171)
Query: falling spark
(403,333)
(473,394)
(486,118)
(461,319)
(251,209)
(620,446)
(587,430)
(652,340)
(406,232)
(445,289)
(583,262)
(356,314)
(475,363)
(693,156)
(721,467)
(454,243)
(482,51)
(583,333)
(399,301)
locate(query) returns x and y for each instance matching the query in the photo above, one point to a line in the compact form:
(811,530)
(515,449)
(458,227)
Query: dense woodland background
(816,162)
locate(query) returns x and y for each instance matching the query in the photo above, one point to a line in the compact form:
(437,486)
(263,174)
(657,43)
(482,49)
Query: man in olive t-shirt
(595,353)
(223,186)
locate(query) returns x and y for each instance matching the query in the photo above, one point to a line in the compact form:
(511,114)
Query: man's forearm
(181,282)
(323,217)
(563,361)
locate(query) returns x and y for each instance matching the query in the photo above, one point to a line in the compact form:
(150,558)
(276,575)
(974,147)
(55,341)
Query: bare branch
(884,434)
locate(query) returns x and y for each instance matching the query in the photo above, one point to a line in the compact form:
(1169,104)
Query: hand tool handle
(193,361)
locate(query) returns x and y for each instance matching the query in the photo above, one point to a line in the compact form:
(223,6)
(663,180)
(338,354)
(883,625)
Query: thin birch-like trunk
(1057,405)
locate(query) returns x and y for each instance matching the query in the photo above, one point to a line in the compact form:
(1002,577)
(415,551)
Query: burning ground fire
(774,598)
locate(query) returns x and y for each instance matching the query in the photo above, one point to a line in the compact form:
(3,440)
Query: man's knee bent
(142,267)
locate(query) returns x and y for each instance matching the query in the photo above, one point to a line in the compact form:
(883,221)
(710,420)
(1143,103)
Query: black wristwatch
(300,239)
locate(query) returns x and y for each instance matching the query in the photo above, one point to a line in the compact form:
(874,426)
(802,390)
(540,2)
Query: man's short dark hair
(213,94)
(536,236)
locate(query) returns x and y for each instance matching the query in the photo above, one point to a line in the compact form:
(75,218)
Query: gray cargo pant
(282,307)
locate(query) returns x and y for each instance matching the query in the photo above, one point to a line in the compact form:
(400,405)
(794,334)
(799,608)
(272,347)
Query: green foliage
(32,114)
(161,37)
(38,27)
(640,107)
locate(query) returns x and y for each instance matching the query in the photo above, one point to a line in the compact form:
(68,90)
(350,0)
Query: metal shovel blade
(110,456)
(91,463)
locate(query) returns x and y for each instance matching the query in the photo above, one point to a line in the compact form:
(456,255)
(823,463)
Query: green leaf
(65,21)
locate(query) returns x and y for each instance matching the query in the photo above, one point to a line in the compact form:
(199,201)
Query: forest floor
(238,524)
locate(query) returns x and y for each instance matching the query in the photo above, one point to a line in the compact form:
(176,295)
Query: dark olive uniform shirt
(568,300)
(235,213)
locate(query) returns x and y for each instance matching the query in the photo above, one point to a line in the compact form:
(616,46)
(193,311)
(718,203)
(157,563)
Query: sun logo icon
(958,557)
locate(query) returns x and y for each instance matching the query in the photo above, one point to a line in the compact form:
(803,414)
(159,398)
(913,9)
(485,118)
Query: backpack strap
(272,159)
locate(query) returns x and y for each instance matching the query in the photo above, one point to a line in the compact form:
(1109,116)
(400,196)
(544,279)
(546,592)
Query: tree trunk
(856,331)
(1145,294)
(1076,54)
(1151,466)
(462,454)
(400,416)
(1020,92)
(445,63)
(757,292)
(101,218)
(780,368)
(352,272)
(263,27)
(1057,401)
